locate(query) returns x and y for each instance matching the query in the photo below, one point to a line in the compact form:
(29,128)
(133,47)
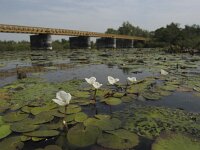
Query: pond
(139,115)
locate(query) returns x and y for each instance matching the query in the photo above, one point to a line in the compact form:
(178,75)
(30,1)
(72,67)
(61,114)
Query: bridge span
(40,37)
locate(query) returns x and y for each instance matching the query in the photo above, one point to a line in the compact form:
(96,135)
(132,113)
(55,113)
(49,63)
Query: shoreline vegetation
(172,38)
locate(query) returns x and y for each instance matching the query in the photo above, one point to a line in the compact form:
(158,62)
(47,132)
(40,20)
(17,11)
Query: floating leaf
(71,109)
(80,117)
(82,136)
(42,133)
(172,141)
(52,147)
(103,124)
(113,101)
(4,131)
(37,110)
(14,117)
(21,127)
(118,141)
(11,143)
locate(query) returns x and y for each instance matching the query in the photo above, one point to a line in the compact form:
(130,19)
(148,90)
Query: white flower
(62,98)
(90,80)
(163,72)
(132,79)
(112,80)
(97,85)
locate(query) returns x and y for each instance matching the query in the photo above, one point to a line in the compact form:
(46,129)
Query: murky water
(144,64)
(59,66)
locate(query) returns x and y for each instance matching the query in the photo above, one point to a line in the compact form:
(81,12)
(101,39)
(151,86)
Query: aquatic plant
(63,99)
(163,72)
(96,85)
(112,80)
(132,79)
(90,80)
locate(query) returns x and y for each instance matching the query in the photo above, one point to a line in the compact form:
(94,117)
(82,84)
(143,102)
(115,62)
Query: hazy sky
(97,15)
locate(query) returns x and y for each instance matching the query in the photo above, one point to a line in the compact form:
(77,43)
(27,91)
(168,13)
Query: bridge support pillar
(41,41)
(80,42)
(125,43)
(106,43)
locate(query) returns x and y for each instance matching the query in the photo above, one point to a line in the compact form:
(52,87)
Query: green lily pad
(80,94)
(37,110)
(101,116)
(103,124)
(14,117)
(80,117)
(42,133)
(82,136)
(21,127)
(11,143)
(113,101)
(172,141)
(71,109)
(118,140)
(151,96)
(52,147)
(41,118)
(1,120)
(4,131)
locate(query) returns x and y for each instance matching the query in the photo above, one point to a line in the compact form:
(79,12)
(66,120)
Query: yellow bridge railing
(53,31)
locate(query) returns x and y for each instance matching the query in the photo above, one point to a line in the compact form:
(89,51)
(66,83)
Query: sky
(96,15)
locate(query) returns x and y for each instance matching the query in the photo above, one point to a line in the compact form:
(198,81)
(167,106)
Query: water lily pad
(103,123)
(118,142)
(11,143)
(4,131)
(37,110)
(42,133)
(14,116)
(80,117)
(52,147)
(82,136)
(1,120)
(71,109)
(21,127)
(41,118)
(113,101)
(172,141)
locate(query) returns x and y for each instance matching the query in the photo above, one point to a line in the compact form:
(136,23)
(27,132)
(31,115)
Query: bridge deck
(40,30)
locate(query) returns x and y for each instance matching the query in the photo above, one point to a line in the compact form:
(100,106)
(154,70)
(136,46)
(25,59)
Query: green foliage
(60,45)
(14,46)
(172,141)
(177,39)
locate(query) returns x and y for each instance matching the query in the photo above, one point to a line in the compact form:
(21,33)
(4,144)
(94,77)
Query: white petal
(96,85)
(68,98)
(59,102)
(163,72)
(111,80)
(132,79)
(61,95)
(90,80)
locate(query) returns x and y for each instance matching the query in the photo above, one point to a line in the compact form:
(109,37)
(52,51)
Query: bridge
(40,37)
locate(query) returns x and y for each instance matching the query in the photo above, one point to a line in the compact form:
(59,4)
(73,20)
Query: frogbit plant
(96,85)
(63,99)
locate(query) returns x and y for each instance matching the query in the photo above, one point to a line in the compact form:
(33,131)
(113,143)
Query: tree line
(172,38)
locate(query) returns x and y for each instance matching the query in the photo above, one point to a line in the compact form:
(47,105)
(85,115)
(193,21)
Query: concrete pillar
(80,42)
(124,43)
(41,41)
(106,43)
